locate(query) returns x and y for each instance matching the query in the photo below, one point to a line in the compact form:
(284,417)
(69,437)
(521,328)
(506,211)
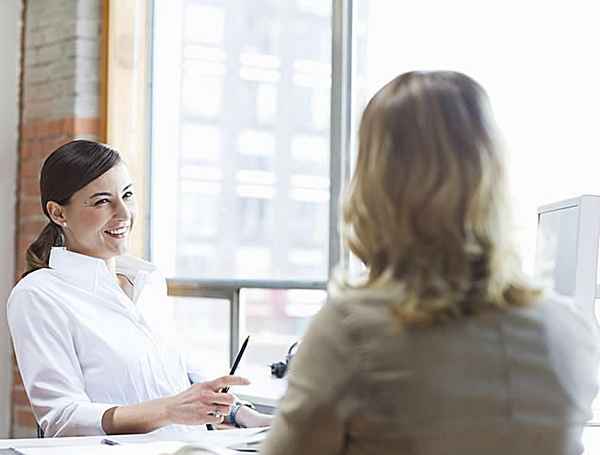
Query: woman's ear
(56,213)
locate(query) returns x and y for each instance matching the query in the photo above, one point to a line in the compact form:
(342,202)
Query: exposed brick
(60,102)
(27,131)
(49,144)
(20,432)
(19,396)
(31,225)
(29,187)
(24,417)
(16,376)
(86,126)
(30,168)
(29,205)
(19,268)
(23,245)
(48,128)
(42,137)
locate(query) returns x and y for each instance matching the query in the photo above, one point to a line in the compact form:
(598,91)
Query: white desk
(77,445)
(591,440)
(68,446)
(62,446)
(264,391)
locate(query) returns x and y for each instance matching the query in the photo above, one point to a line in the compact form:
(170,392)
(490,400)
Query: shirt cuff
(84,420)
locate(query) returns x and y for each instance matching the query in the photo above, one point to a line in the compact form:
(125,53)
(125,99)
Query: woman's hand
(249,418)
(203,402)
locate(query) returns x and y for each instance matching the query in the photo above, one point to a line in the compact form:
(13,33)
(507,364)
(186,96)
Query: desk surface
(264,390)
(220,438)
(591,439)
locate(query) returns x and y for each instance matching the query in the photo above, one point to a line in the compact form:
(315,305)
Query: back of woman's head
(426,209)
(66,170)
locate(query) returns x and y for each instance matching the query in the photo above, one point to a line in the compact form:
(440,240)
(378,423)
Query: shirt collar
(88,271)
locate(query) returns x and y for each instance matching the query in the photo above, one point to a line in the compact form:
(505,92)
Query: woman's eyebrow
(127,187)
(103,193)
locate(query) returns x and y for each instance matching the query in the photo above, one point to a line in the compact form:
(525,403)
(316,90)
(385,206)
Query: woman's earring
(62,234)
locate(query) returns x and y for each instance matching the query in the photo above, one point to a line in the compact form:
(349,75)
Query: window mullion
(340,121)
(234,324)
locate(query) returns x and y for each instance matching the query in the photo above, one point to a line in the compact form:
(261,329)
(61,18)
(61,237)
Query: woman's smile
(118,233)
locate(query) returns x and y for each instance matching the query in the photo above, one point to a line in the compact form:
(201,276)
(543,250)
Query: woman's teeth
(119,233)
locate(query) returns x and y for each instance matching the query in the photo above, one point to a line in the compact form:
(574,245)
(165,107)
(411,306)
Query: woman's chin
(118,248)
(123,249)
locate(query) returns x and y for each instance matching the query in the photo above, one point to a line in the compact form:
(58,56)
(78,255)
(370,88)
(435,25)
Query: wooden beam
(105,14)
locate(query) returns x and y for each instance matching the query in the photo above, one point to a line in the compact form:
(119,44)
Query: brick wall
(60,101)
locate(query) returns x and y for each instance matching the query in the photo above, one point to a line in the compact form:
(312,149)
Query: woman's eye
(101,202)
(128,195)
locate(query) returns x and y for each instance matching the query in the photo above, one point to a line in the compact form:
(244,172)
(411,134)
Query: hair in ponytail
(39,251)
(66,170)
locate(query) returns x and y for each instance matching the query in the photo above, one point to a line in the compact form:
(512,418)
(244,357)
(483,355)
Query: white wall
(10,30)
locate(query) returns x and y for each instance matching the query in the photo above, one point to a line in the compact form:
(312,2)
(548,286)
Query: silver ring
(216,413)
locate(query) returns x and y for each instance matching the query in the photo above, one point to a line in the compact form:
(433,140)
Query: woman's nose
(122,211)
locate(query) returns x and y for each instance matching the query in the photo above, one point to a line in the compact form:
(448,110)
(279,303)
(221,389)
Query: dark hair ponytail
(39,251)
(66,170)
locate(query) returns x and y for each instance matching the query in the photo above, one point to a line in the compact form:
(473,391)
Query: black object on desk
(109,442)
(236,362)
(280,369)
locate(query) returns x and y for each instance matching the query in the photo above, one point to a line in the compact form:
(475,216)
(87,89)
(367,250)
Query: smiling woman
(91,325)
(99,217)
(72,172)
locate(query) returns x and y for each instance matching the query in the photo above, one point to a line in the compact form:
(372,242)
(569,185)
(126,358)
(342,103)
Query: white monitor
(567,249)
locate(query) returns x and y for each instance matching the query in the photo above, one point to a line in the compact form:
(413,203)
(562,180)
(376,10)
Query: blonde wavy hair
(426,210)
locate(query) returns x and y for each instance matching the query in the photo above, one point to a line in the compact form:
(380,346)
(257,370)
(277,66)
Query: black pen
(109,442)
(236,362)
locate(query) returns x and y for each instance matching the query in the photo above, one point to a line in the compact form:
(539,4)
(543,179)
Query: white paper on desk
(145,448)
(251,441)
(217,438)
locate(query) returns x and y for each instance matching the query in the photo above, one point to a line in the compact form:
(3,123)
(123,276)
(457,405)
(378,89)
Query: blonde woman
(442,348)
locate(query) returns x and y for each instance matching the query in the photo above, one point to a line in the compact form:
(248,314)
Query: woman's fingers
(225,381)
(223,398)
(198,405)
(214,419)
(218,410)
(204,403)
(205,395)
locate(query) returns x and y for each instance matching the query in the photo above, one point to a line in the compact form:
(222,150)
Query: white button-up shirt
(84,346)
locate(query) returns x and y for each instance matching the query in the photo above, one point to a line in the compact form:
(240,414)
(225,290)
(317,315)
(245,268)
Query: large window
(241,176)
(535,61)
(241,139)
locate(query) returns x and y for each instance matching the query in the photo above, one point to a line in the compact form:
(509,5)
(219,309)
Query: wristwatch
(234,410)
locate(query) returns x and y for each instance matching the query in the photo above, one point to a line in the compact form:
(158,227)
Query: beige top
(506,382)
